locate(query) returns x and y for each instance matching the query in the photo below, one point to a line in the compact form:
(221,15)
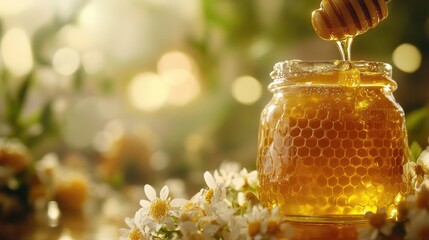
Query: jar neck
(296,73)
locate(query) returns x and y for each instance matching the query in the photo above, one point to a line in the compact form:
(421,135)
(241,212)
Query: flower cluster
(419,170)
(227,209)
(28,184)
(412,220)
(413,213)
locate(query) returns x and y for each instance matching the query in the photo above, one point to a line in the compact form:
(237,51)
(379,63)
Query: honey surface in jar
(330,150)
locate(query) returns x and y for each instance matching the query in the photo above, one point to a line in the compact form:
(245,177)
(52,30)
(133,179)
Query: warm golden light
(159,160)
(16,52)
(246,90)
(90,17)
(407,58)
(175,60)
(147,91)
(183,86)
(113,130)
(93,61)
(8,7)
(75,37)
(66,61)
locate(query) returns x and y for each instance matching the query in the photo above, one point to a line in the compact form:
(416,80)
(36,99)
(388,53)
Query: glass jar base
(335,219)
(323,231)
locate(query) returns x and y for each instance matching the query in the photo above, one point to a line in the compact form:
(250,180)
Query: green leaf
(46,115)
(23,90)
(20,99)
(78,79)
(415,150)
(45,119)
(417,123)
(117,180)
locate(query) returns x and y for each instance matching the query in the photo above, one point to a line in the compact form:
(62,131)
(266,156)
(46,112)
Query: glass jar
(332,141)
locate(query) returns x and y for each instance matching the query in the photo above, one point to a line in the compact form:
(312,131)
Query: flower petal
(168,221)
(164,192)
(130,222)
(208,177)
(178,202)
(150,192)
(144,203)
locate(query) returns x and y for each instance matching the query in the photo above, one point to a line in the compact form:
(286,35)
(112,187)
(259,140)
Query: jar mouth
(332,73)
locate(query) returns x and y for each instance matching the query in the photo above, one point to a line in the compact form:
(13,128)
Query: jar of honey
(332,141)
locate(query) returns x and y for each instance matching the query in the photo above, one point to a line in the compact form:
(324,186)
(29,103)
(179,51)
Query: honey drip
(342,20)
(344,46)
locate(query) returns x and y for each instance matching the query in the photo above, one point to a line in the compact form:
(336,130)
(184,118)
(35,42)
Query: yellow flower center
(209,195)
(188,206)
(135,234)
(254,228)
(158,209)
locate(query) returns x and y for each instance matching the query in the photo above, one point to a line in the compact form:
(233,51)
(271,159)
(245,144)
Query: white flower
(133,233)
(226,173)
(158,211)
(48,166)
(237,228)
(419,170)
(378,225)
(188,229)
(263,223)
(245,179)
(216,191)
(209,179)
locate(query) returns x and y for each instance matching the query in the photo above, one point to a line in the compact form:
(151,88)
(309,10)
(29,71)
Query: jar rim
(299,72)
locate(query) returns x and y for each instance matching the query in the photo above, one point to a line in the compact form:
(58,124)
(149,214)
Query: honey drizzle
(344,46)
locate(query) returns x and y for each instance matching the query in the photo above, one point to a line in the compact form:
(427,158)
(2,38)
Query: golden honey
(332,141)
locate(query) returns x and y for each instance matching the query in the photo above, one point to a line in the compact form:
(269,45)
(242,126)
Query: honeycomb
(332,152)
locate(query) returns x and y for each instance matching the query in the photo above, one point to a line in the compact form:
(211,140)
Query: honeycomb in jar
(332,152)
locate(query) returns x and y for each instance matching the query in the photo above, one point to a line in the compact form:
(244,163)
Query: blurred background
(99,97)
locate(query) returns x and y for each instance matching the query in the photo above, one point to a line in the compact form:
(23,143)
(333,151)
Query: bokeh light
(112,132)
(194,142)
(75,37)
(246,90)
(147,92)
(183,86)
(93,61)
(14,7)
(407,58)
(175,60)
(47,78)
(84,120)
(66,61)
(159,160)
(16,52)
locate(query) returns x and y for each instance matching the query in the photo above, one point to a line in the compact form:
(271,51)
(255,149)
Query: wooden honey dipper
(342,19)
